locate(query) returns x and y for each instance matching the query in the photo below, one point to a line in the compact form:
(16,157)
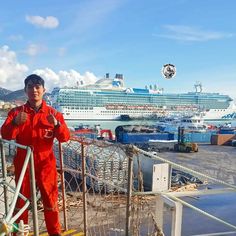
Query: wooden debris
(188,187)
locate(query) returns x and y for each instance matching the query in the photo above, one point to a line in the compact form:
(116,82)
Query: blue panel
(197,137)
(144,137)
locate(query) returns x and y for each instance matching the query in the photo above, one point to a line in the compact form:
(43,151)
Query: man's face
(34,92)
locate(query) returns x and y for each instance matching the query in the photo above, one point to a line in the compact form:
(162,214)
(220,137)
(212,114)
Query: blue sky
(66,41)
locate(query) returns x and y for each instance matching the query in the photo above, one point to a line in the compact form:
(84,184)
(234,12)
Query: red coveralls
(38,133)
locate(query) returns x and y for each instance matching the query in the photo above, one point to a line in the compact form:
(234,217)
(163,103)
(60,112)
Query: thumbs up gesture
(20,118)
(52,120)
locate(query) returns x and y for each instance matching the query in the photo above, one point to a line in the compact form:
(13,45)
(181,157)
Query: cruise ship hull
(218,114)
(108,99)
(98,113)
(104,114)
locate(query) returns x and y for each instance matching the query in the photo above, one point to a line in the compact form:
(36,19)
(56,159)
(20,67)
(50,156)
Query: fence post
(84,188)
(4,176)
(129,153)
(33,195)
(63,186)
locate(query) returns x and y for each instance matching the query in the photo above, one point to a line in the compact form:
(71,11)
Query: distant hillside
(4,92)
(16,95)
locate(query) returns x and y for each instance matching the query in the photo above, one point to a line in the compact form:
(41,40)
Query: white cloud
(49,22)
(35,49)
(75,78)
(187,33)
(65,78)
(50,77)
(11,71)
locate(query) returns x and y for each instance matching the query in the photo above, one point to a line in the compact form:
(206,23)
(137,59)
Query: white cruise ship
(109,99)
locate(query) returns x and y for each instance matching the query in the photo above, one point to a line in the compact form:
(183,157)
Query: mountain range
(10,96)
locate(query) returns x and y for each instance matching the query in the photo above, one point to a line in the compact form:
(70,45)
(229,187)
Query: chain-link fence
(96,180)
(102,204)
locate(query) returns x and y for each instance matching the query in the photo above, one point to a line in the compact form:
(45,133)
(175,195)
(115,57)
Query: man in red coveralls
(36,124)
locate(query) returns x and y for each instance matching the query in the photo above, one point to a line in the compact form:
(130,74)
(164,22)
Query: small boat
(192,123)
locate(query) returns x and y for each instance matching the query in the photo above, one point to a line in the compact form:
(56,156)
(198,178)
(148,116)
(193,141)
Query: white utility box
(161,177)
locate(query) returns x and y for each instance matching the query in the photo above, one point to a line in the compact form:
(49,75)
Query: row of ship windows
(131,101)
(115,99)
(91,106)
(114,112)
(133,98)
(130,111)
(79,97)
(81,108)
(71,94)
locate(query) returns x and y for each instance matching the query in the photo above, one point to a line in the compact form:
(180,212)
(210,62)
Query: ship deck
(106,209)
(218,162)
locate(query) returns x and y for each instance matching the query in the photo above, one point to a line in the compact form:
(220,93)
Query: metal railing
(102,194)
(7,222)
(173,199)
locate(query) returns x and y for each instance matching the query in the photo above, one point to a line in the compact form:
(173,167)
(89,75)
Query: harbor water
(112,124)
(108,124)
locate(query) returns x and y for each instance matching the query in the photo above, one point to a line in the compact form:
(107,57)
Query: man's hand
(52,120)
(20,118)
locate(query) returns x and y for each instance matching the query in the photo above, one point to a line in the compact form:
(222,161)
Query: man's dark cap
(35,79)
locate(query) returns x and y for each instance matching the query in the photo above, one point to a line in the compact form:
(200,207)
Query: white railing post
(177,214)
(63,189)
(4,176)
(10,217)
(33,195)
